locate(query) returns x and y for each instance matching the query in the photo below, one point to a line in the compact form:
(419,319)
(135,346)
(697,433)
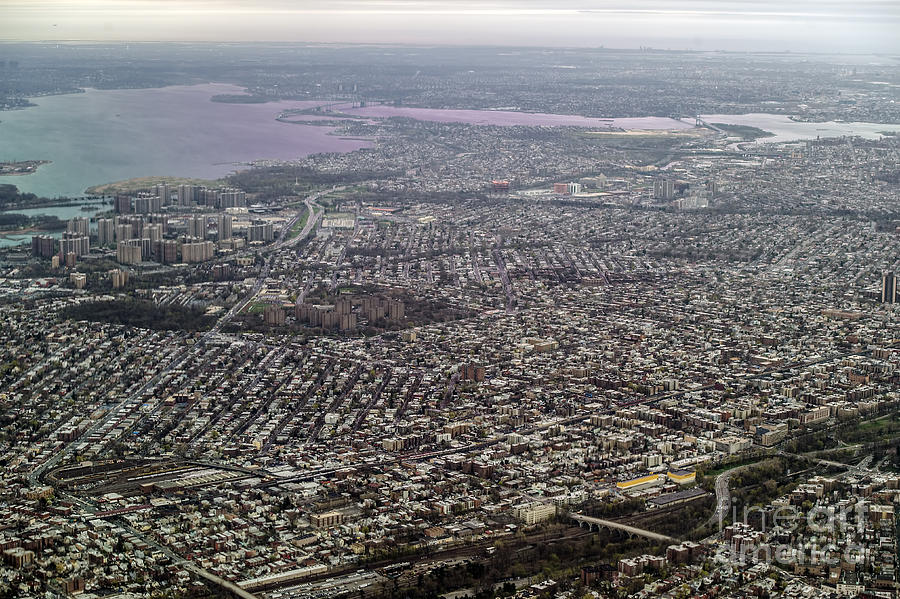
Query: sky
(829,26)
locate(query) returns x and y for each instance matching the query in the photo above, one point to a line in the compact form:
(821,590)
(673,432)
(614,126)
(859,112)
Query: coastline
(30,166)
(221,151)
(26,232)
(51,203)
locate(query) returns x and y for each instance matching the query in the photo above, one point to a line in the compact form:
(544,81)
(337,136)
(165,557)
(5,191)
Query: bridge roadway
(632,530)
(231,589)
(702,121)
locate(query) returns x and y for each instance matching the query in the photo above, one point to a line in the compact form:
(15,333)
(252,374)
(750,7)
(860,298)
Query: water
(61,212)
(67,212)
(786,130)
(13,240)
(102,136)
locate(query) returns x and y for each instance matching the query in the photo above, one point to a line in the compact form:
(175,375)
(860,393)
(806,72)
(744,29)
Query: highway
(723,493)
(282,242)
(504,279)
(314,216)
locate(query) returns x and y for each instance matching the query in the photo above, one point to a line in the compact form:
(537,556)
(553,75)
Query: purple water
(102,136)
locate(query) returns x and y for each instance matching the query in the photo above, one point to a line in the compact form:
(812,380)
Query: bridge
(820,461)
(632,531)
(701,122)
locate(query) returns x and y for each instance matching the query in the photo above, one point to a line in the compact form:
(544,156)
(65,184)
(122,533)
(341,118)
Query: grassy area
(332,197)
(873,425)
(765,481)
(133,185)
(884,428)
(255,308)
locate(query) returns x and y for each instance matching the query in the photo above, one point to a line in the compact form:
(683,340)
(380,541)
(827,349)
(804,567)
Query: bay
(101,136)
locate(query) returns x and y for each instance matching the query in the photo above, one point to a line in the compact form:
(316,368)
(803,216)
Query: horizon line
(639,48)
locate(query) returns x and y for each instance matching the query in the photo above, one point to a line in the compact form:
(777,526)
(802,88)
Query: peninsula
(25,167)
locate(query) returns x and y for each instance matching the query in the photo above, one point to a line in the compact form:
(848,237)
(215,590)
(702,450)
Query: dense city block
(475,360)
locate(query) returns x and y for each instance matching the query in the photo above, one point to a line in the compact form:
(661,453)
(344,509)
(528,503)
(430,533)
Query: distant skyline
(867,26)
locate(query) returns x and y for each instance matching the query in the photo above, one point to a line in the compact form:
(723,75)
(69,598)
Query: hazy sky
(798,25)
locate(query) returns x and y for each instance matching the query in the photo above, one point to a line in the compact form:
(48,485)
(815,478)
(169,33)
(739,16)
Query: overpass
(633,531)
(819,461)
(230,589)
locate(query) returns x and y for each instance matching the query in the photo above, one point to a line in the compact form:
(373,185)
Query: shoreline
(53,203)
(30,166)
(22,232)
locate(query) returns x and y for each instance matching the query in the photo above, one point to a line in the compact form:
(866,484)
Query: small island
(25,167)
(746,132)
(240,99)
